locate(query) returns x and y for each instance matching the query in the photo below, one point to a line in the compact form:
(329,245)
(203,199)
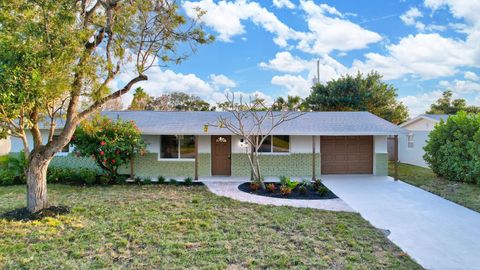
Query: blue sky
(270,47)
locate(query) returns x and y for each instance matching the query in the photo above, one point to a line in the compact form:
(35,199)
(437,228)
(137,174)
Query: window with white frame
(275,144)
(410,143)
(177,146)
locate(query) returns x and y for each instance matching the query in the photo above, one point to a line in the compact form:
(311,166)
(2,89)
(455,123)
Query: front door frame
(227,171)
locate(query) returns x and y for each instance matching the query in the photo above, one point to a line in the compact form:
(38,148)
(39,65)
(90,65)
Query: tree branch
(114,95)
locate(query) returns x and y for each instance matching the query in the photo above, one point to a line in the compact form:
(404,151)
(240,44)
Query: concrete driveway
(435,232)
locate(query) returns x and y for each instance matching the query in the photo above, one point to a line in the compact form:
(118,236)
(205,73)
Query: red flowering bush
(111,143)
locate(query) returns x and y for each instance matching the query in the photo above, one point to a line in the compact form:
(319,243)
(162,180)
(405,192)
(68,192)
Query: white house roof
(310,123)
(431,117)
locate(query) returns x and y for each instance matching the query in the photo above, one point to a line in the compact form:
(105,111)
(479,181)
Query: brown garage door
(347,154)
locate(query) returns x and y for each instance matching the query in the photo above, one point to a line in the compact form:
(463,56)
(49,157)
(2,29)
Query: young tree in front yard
(254,122)
(72,50)
(110,143)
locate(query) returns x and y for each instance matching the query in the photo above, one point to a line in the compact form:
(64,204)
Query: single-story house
(410,146)
(315,143)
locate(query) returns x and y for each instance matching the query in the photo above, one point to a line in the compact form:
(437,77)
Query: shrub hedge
(453,148)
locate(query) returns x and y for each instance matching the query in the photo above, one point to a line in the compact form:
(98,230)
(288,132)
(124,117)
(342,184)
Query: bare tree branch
(254,122)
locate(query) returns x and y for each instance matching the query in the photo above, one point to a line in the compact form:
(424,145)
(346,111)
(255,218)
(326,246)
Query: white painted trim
(274,153)
(176,159)
(413,120)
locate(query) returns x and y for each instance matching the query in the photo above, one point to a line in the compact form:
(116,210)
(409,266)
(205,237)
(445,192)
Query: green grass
(176,227)
(464,194)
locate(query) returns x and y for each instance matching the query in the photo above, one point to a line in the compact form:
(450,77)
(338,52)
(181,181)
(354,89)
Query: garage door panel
(347,154)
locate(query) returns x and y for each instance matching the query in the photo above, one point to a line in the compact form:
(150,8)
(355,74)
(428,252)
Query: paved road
(437,233)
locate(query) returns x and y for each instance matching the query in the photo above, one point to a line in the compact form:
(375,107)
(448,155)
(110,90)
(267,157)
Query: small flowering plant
(110,143)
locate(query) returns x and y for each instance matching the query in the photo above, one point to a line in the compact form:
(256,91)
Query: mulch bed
(311,194)
(22,214)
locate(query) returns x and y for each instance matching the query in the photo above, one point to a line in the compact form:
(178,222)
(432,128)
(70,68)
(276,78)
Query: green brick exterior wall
(144,166)
(150,166)
(277,165)
(381,164)
(294,164)
(204,164)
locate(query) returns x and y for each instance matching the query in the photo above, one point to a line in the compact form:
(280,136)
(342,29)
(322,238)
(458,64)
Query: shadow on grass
(22,214)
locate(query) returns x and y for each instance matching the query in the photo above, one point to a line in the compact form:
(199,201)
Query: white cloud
(330,31)
(471,76)
(226,17)
(286,62)
(427,55)
(461,86)
(468,9)
(295,85)
(164,81)
(410,18)
(283,3)
(222,80)
(418,104)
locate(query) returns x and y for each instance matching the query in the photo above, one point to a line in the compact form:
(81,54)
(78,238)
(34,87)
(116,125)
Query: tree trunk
(37,182)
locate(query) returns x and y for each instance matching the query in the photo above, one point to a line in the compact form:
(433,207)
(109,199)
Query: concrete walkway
(437,233)
(230,189)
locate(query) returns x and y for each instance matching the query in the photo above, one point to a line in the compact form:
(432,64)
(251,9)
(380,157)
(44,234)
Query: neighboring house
(410,146)
(178,146)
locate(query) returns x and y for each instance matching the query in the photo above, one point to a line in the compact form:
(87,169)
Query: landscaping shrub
(17,165)
(6,177)
(317,184)
(173,181)
(161,180)
(286,181)
(12,169)
(104,180)
(110,143)
(285,190)
(77,176)
(452,150)
(188,181)
(146,181)
(3,161)
(271,187)
(89,177)
(303,188)
(255,186)
(322,191)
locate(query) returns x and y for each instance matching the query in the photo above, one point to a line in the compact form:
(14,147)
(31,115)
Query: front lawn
(465,194)
(175,227)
